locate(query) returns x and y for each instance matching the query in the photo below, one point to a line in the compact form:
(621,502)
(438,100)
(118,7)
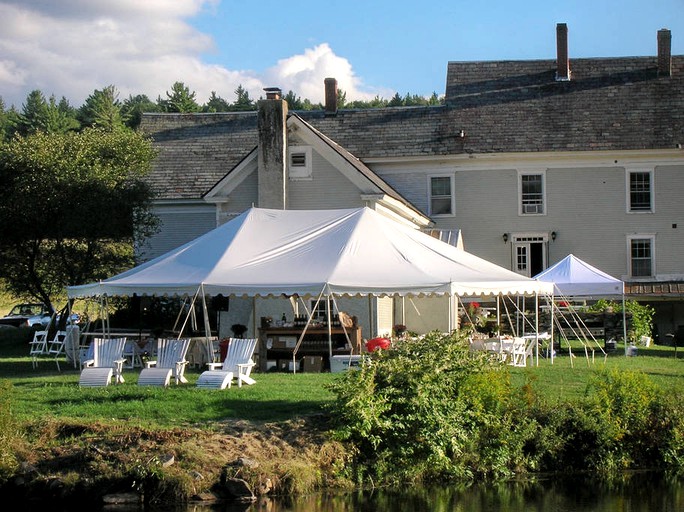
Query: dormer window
(299,162)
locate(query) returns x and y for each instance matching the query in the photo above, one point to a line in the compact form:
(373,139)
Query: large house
(527,161)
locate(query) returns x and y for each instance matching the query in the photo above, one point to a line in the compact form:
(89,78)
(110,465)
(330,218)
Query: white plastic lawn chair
(237,365)
(107,362)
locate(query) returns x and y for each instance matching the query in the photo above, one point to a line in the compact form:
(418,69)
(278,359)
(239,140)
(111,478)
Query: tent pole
(553,321)
(456,305)
(498,317)
(301,336)
(371,327)
(536,325)
(207,328)
(329,317)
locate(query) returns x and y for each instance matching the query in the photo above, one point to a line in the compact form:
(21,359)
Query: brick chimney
(562,60)
(330,96)
(664,52)
(272,151)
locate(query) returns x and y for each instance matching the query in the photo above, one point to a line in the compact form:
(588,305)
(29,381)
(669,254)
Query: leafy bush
(429,408)
(639,316)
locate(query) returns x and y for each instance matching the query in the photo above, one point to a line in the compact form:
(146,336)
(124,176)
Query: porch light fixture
(553,236)
(505,237)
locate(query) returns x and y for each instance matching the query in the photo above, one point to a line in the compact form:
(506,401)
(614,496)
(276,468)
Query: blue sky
(72,47)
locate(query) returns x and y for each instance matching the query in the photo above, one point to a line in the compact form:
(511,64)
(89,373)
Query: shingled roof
(502,107)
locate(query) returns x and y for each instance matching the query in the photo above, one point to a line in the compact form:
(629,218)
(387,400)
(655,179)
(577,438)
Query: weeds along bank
(425,410)
(429,409)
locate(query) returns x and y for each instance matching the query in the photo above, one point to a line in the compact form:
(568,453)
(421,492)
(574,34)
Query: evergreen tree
(396,101)
(133,107)
(243,101)
(102,109)
(294,102)
(216,104)
(41,115)
(180,99)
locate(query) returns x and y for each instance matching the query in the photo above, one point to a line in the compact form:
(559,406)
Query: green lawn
(44,392)
(566,378)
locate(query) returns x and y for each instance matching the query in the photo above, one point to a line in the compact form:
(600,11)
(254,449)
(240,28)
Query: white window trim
(639,236)
(300,172)
(628,202)
(452,191)
(522,173)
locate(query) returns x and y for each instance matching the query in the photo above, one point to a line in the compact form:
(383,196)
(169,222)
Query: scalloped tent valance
(358,251)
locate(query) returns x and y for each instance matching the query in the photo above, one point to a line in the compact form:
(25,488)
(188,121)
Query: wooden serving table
(278,343)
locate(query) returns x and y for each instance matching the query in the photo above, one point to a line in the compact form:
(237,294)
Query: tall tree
(133,108)
(180,99)
(4,120)
(41,115)
(216,104)
(79,203)
(243,101)
(102,109)
(294,102)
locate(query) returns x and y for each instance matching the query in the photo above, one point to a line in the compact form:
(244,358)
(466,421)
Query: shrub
(429,408)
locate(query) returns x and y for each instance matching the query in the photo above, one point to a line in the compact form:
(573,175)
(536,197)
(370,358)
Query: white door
(529,254)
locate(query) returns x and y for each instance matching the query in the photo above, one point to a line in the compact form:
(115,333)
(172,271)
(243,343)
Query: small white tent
(573,277)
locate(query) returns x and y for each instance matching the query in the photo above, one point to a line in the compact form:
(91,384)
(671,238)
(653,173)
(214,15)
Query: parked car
(27,315)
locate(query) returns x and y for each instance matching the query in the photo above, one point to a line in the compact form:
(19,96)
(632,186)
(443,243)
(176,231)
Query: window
(640,191)
(531,186)
(641,255)
(320,312)
(441,195)
(299,162)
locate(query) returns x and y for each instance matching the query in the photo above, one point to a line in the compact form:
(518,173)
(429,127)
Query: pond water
(636,492)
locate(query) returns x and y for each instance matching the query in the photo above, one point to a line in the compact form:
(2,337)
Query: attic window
(299,162)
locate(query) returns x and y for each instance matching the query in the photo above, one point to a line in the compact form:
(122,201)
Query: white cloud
(72,47)
(305,74)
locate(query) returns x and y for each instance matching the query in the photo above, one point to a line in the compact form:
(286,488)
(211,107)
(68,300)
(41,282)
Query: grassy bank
(122,433)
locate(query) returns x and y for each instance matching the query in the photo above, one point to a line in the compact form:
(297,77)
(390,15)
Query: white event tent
(573,277)
(352,252)
(265,252)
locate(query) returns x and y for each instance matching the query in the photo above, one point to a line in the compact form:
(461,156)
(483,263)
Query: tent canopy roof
(573,277)
(265,252)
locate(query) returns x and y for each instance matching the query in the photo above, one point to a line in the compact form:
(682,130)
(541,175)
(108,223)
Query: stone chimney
(664,52)
(562,60)
(330,96)
(272,151)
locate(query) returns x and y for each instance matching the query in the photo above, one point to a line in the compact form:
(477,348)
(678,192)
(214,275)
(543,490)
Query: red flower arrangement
(563,304)
(475,305)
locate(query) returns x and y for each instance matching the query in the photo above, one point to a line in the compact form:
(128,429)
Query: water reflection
(636,492)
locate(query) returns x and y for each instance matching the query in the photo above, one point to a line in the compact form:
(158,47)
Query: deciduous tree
(77,205)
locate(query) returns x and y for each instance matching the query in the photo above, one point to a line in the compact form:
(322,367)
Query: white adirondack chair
(38,346)
(170,362)
(237,365)
(107,362)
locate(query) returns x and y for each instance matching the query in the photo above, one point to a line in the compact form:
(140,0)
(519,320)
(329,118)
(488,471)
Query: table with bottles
(278,342)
